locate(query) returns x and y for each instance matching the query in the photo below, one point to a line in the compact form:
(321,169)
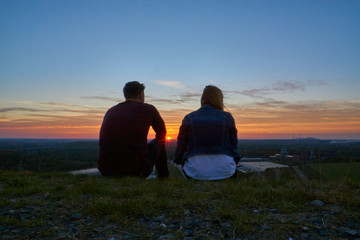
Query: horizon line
(173,139)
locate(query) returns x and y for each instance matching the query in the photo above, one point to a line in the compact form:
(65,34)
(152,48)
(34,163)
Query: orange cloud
(76,132)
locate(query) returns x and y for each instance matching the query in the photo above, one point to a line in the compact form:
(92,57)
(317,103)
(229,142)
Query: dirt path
(299,173)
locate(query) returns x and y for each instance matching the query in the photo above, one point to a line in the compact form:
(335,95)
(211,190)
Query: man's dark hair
(133,89)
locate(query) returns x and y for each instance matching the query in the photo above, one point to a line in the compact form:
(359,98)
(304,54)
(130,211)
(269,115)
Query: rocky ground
(255,206)
(57,221)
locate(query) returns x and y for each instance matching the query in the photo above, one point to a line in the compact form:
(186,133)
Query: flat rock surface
(89,171)
(257,166)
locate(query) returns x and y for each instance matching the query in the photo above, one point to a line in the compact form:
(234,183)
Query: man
(123,146)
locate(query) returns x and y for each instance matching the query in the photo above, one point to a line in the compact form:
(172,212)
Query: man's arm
(158,125)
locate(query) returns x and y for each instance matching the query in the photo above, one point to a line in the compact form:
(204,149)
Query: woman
(207,140)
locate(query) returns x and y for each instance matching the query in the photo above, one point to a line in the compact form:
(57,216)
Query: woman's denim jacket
(207,131)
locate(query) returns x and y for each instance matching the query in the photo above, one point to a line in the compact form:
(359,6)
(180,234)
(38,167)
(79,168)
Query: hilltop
(253,206)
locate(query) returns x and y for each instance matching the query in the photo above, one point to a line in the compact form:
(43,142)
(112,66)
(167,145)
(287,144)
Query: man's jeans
(157,156)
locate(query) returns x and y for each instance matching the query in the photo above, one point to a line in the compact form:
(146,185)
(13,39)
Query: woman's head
(212,96)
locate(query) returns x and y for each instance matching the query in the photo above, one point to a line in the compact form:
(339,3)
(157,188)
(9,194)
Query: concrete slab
(241,166)
(257,166)
(95,172)
(89,171)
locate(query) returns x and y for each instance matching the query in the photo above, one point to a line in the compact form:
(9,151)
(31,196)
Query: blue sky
(70,59)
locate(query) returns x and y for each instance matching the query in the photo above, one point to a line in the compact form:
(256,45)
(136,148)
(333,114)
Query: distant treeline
(48,155)
(66,155)
(324,150)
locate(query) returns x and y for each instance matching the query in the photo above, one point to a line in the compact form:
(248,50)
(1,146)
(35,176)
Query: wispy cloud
(190,95)
(287,86)
(24,109)
(278,87)
(297,112)
(156,100)
(61,104)
(317,83)
(19,109)
(111,99)
(48,120)
(49,114)
(182,98)
(271,103)
(172,84)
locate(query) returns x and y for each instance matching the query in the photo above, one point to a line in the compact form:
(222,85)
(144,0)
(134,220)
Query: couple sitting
(206,146)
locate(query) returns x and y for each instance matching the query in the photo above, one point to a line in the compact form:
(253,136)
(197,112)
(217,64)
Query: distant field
(338,171)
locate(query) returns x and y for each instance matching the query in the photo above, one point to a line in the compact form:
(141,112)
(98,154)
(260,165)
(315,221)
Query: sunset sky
(287,68)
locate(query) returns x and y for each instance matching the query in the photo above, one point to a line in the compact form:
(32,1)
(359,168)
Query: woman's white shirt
(210,166)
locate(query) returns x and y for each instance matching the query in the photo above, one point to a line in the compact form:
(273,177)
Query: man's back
(123,137)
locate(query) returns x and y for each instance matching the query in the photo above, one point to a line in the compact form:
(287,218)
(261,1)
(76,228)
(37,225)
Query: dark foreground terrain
(253,206)
(317,197)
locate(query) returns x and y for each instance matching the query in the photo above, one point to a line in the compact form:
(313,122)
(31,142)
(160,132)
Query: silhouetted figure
(123,146)
(207,140)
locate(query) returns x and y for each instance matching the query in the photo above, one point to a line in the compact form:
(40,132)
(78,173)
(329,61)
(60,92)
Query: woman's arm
(182,142)
(234,139)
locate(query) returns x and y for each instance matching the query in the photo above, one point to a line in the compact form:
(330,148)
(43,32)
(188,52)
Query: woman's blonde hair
(212,96)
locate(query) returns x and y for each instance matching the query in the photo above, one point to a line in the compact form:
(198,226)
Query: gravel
(62,223)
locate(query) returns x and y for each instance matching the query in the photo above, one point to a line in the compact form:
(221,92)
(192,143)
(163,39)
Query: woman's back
(207,139)
(208,131)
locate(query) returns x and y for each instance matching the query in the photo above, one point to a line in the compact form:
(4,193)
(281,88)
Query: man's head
(134,91)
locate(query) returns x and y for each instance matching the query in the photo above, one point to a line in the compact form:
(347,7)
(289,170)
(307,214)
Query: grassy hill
(253,206)
(338,171)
